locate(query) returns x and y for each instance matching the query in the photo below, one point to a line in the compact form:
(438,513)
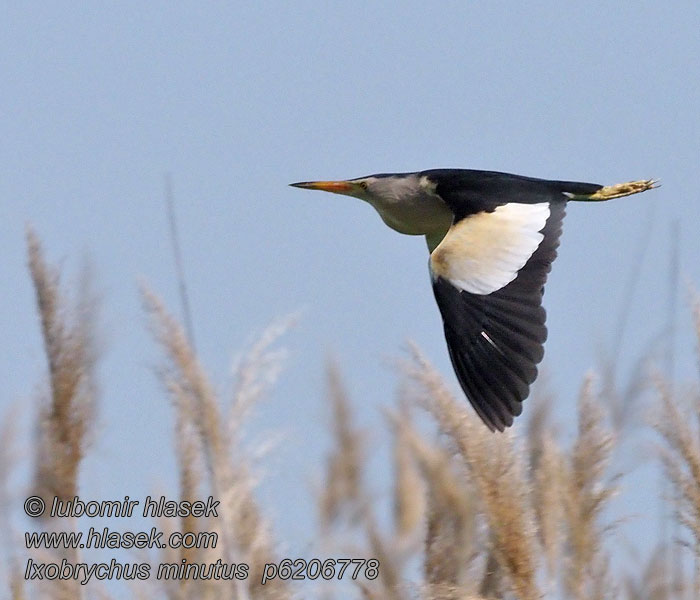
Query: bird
(492,239)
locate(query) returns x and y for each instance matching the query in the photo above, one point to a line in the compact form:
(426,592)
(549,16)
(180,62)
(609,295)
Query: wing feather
(483,252)
(496,340)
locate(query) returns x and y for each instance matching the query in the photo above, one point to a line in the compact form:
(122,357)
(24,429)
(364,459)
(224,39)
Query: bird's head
(375,189)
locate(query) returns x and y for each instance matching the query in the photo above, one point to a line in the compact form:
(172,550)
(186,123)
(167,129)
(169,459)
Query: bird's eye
(363,185)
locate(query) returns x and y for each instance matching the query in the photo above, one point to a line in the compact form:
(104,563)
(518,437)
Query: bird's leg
(618,190)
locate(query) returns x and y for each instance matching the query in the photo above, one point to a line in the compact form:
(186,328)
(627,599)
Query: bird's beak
(337,187)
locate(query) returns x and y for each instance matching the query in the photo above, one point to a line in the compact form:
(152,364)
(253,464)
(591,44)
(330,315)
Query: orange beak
(337,187)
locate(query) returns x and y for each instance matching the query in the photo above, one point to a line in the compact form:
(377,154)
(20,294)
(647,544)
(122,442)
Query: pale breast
(420,214)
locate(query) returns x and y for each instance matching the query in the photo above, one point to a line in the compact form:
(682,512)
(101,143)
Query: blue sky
(236,100)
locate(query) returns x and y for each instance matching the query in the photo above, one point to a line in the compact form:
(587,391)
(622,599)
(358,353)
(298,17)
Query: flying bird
(492,238)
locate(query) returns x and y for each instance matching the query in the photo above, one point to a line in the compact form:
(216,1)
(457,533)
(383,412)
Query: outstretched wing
(488,277)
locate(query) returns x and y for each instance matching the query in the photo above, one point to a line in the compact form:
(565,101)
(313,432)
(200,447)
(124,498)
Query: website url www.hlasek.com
(105,538)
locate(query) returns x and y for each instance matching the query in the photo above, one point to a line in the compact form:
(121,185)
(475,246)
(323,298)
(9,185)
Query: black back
(468,191)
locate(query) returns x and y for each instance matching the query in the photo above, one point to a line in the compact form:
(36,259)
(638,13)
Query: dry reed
(67,410)
(342,492)
(68,335)
(585,497)
(244,531)
(681,459)
(497,471)
(475,515)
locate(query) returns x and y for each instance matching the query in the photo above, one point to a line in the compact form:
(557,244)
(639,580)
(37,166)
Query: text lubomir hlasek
(152,507)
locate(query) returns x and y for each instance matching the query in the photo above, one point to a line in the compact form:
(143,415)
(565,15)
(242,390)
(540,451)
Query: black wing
(495,340)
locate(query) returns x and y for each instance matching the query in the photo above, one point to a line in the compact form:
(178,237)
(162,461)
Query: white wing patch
(484,252)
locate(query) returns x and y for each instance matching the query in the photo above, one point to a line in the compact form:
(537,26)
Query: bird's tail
(608,192)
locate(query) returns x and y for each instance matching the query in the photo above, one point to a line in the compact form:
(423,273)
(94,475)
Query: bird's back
(468,191)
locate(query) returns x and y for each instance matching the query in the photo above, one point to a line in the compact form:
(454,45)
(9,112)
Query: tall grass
(475,515)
